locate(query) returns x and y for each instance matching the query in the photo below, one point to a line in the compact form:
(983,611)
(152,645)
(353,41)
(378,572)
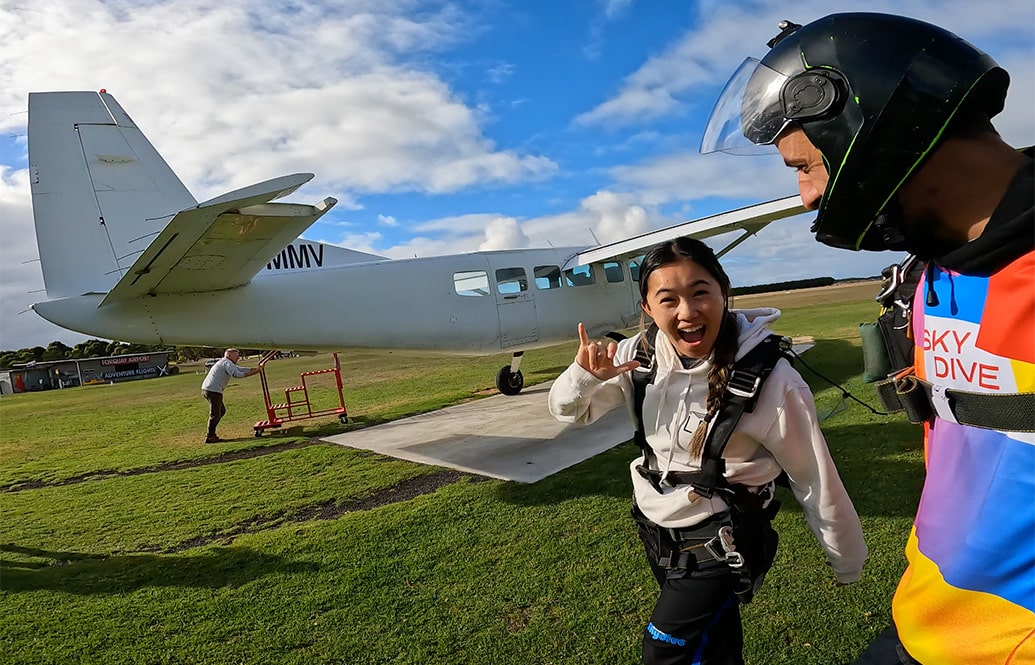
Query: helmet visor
(749,114)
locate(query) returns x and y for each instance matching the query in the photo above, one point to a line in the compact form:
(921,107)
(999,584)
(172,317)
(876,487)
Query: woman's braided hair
(725,350)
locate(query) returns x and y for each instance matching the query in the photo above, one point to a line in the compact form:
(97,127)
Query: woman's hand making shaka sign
(598,359)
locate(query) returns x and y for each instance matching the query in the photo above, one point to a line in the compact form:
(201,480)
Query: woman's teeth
(691,335)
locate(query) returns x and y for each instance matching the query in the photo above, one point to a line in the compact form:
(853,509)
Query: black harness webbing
(746,380)
(921,401)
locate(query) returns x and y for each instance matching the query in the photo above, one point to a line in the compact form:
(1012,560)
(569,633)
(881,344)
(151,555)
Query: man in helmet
(887,122)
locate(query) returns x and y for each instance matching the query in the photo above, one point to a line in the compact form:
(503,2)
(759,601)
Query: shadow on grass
(881,465)
(96,574)
(220,458)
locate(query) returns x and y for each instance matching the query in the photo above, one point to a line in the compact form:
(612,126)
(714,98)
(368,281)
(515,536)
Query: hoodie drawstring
(932,297)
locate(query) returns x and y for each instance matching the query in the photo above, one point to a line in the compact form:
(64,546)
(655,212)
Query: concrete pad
(511,438)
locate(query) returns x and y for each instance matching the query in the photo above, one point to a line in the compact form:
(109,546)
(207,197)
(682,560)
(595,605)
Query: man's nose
(810,194)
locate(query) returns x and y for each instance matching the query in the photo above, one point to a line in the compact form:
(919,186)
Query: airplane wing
(221,243)
(751,220)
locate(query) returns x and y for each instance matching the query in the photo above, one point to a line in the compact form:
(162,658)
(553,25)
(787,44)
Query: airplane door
(516,306)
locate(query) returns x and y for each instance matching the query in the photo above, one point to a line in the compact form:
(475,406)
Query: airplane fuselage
(483,302)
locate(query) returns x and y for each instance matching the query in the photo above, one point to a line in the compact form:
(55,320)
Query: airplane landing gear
(509,380)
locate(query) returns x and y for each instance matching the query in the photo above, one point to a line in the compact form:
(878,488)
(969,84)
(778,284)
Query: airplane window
(634,268)
(547,277)
(580,276)
(511,280)
(613,272)
(473,283)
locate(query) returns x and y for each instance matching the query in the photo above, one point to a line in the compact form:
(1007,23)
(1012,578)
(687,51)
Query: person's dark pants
(886,649)
(216,409)
(696,619)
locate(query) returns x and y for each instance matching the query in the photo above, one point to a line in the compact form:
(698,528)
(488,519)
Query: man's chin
(921,237)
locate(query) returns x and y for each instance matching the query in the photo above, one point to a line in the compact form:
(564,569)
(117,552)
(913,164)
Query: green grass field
(127,540)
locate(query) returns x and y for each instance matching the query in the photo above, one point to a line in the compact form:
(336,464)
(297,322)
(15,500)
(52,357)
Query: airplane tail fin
(100,191)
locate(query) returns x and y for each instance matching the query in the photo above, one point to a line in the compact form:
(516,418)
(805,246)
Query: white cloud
(504,233)
(242,91)
(686,74)
(21,282)
(686,176)
(457,225)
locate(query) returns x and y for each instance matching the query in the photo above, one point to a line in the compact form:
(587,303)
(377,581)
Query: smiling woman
(720,416)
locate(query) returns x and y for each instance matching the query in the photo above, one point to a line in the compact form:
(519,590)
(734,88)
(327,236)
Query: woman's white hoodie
(782,432)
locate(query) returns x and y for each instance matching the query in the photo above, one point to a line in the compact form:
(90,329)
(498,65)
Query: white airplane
(127,253)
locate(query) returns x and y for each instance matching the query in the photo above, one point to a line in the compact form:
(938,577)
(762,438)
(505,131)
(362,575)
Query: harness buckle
(710,548)
(743,384)
(733,558)
(894,277)
(942,403)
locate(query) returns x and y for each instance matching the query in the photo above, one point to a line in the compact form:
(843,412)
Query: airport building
(69,373)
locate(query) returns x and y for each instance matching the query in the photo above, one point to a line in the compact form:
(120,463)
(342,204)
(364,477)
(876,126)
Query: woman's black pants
(696,619)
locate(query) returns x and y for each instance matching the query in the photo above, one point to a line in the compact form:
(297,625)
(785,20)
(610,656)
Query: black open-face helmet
(874,94)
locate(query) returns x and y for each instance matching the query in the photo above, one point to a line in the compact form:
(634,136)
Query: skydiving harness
(750,512)
(921,400)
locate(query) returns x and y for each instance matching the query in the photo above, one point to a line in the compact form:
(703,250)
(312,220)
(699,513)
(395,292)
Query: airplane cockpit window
(613,272)
(579,276)
(511,280)
(473,283)
(547,277)
(634,268)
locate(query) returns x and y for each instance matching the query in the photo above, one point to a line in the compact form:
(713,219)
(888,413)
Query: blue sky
(444,127)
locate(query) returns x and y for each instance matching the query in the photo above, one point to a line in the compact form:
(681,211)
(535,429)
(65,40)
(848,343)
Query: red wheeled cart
(296,405)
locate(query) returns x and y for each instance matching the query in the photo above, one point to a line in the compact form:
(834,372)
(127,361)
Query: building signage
(125,360)
(130,373)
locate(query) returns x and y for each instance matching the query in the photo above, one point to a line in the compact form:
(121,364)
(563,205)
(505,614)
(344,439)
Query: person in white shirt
(215,383)
(696,618)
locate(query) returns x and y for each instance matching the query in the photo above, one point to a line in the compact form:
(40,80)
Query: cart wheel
(343,419)
(258,432)
(509,383)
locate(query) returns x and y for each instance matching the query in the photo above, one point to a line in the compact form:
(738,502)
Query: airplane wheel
(258,433)
(344,420)
(509,383)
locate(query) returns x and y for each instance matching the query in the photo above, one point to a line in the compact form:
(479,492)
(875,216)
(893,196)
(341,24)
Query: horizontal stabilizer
(222,243)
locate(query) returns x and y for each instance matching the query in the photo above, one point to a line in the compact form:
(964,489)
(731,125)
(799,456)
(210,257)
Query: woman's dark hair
(725,350)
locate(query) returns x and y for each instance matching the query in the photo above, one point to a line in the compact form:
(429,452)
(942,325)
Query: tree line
(94,348)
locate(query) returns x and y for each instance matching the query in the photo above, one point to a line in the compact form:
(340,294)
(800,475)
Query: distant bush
(783,286)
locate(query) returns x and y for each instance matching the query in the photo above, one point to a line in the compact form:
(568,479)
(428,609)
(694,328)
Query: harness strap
(922,400)
(749,373)
(641,378)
